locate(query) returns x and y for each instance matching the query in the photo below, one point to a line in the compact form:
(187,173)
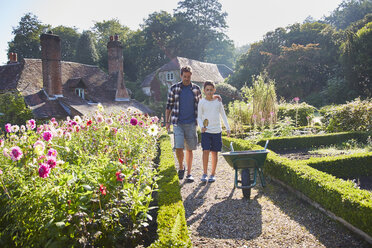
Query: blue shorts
(211,141)
(185,136)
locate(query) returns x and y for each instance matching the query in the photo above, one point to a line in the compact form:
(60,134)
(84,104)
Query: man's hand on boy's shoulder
(217,97)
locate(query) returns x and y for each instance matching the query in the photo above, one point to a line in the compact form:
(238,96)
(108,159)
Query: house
(55,88)
(169,74)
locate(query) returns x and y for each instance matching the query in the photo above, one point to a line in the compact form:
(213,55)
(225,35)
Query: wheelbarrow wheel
(246,181)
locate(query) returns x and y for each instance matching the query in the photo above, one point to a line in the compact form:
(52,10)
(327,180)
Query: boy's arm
(224,118)
(199,118)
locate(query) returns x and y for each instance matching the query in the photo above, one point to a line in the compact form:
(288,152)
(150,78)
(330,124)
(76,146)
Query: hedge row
(336,195)
(308,141)
(172,228)
(345,166)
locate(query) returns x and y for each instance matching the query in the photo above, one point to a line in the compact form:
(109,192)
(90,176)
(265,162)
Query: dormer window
(170,76)
(79,92)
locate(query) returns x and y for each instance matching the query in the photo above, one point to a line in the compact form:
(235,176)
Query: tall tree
(26,41)
(102,31)
(69,39)
(208,18)
(348,12)
(86,52)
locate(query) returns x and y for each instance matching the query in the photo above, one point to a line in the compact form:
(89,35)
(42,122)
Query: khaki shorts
(185,136)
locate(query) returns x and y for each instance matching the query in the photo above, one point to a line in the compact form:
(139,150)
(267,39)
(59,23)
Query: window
(170,76)
(79,92)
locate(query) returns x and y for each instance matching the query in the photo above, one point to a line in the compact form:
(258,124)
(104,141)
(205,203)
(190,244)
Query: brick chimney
(12,58)
(115,67)
(51,65)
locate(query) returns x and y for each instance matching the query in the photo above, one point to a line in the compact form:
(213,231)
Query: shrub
(172,227)
(352,116)
(228,93)
(302,111)
(77,183)
(336,195)
(14,109)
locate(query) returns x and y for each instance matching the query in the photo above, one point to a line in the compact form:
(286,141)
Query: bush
(14,109)
(308,141)
(78,183)
(352,116)
(172,227)
(336,195)
(302,112)
(228,93)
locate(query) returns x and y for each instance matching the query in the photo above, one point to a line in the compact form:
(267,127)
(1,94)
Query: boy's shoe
(204,178)
(189,178)
(181,174)
(211,179)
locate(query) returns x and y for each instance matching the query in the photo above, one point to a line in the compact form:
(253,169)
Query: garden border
(172,227)
(333,194)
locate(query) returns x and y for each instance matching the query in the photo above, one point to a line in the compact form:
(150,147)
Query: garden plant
(78,182)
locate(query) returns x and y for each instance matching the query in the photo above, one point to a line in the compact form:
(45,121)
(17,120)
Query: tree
(86,52)
(205,13)
(298,71)
(204,19)
(357,60)
(26,42)
(69,39)
(221,51)
(349,11)
(102,31)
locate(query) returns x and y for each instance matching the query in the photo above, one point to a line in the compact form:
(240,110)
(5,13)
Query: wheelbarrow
(247,163)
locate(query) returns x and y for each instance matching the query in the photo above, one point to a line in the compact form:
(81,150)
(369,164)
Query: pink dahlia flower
(44,171)
(16,153)
(47,135)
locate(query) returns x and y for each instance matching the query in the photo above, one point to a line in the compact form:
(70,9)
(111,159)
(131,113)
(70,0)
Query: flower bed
(80,182)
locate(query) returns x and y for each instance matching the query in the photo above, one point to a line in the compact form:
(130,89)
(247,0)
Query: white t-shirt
(212,110)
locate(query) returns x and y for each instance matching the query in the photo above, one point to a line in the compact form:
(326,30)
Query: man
(181,112)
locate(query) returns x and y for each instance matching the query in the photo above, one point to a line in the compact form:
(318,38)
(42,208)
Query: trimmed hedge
(172,228)
(308,141)
(345,166)
(336,195)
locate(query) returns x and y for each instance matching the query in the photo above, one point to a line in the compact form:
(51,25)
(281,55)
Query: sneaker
(204,178)
(181,174)
(189,178)
(211,179)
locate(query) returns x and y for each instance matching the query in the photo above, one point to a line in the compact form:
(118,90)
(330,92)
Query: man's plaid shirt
(174,102)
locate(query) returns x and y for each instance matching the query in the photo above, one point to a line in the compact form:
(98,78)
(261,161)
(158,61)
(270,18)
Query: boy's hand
(217,97)
(228,133)
(203,129)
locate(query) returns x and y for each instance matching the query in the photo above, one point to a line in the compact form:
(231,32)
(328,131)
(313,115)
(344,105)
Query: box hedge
(308,141)
(336,195)
(172,228)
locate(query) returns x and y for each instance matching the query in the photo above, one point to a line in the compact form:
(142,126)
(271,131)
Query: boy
(209,112)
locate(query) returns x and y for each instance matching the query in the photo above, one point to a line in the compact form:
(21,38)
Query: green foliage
(302,112)
(357,61)
(69,39)
(344,166)
(97,192)
(336,195)
(102,31)
(26,41)
(352,116)
(308,141)
(348,12)
(228,93)
(264,102)
(86,52)
(172,227)
(15,111)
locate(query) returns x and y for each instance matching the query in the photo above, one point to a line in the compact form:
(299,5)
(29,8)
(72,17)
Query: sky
(248,20)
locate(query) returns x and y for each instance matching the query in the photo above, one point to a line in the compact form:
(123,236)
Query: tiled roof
(27,78)
(201,71)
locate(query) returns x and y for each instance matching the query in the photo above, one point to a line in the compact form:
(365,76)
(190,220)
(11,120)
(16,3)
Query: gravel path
(219,216)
